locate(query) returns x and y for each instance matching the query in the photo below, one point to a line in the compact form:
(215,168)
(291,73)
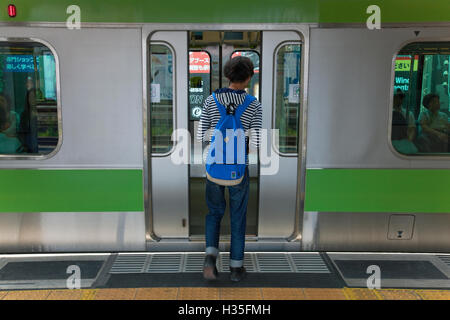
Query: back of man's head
(238,69)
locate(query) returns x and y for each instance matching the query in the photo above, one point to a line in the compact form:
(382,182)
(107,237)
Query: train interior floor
(270,276)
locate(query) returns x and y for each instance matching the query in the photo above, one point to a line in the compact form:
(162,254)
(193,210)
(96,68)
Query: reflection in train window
(161,101)
(287,96)
(421,106)
(199,81)
(253,87)
(28,99)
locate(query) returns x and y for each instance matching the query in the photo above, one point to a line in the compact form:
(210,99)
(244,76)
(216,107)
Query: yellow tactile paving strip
(65,295)
(434,294)
(27,295)
(240,294)
(157,294)
(324,294)
(198,294)
(227,294)
(283,294)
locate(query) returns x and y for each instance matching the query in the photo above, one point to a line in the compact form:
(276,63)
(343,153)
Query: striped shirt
(251,119)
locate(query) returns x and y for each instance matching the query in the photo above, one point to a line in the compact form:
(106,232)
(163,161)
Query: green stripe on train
(327,190)
(235,11)
(71,190)
(378,190)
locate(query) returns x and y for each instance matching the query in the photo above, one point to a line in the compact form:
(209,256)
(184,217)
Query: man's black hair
(427,99)
(238,69)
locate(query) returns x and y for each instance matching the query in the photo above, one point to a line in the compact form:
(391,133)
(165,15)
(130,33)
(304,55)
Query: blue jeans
(215,200)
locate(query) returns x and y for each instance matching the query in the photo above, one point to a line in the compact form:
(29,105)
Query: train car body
(112,181)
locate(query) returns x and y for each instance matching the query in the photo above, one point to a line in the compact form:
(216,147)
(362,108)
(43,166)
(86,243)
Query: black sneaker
(237,274)
(209,268)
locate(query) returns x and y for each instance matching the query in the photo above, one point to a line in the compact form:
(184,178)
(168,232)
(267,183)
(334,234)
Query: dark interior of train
(421,88)
(28,95)
(208,53)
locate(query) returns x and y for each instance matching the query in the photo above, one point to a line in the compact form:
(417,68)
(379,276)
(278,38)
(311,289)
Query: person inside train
(28,130)
(9,144)
(14,118)
(435,125)
(239,71)
(399,98)
(399,137)
(443,93)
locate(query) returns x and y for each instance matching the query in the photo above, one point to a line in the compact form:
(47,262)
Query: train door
(279,210)
(208,53)
(168,201)
(184,68)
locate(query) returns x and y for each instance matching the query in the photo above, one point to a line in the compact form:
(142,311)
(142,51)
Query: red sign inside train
(199,62)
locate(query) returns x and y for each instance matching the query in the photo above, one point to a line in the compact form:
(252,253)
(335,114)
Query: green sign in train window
(29,124)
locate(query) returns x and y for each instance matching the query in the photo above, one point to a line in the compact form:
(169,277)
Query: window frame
(274,94)
(422,156)
(58,101)
(174,96)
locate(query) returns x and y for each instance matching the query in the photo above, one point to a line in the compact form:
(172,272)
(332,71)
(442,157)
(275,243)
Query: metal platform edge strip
(185,262)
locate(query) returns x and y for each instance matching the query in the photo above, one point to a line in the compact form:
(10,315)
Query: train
(102,100)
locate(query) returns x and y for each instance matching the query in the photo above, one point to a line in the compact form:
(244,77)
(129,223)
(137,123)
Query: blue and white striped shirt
(251,119)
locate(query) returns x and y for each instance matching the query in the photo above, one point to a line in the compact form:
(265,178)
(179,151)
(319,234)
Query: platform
(271,276)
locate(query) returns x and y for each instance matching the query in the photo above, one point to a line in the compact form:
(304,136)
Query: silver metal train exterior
(344,123)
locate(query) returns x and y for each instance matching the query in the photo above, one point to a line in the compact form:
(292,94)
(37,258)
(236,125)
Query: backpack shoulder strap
(241,108)
(221,107)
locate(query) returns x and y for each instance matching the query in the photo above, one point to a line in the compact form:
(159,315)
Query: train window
(253,87)
(199,81)
(421,106)
(161,100)
(287,96)
(29,115)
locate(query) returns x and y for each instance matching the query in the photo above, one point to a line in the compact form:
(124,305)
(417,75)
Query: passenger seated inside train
(399,137)
(14,118)
(28,128)
(411,120)
(9,143)
(443,93)
(435,126)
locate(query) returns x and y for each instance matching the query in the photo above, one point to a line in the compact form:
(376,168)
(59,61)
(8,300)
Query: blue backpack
(226,160)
